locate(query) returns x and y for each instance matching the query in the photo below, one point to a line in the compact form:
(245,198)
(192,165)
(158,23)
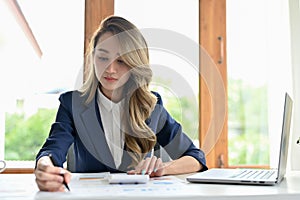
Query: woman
(114,121)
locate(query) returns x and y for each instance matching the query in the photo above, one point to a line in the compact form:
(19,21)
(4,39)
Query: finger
(67,176)
(47,166)
(139,167)
(131,172)
(41,185)
(44,176)
(43,162)
(145,166)
(60,189)
(49,185)
(158,165)
(52,184)
(160,168)
(152,164)
(50,173)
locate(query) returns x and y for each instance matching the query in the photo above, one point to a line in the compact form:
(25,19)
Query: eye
(120,61)
(103,59)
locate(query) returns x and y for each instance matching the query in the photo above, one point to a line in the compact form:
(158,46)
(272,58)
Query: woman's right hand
(49,177)
(151,165)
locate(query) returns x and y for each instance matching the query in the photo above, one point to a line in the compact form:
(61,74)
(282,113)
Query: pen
(55,164)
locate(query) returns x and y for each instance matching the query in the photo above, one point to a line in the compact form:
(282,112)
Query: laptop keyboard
(254,174)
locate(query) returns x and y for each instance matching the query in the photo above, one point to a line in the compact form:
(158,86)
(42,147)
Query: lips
(110,79)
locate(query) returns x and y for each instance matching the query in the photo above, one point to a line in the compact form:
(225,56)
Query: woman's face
(110,69)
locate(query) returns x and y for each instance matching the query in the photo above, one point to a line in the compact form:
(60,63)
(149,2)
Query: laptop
(253,176)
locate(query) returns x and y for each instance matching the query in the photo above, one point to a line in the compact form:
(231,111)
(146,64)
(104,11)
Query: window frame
(212,39)
(212,19)
(95,11)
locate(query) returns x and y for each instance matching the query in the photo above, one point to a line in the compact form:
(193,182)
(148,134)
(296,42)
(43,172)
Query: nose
(111,68)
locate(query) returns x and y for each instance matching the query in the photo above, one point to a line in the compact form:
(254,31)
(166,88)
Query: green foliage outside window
(248,141)
(183,109)
(24,136)
(185,112)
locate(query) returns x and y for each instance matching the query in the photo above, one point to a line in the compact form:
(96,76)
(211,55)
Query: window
(167,32)
(259,73)
(256,40)
(31,85)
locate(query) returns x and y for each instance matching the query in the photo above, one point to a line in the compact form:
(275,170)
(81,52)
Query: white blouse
(110,113)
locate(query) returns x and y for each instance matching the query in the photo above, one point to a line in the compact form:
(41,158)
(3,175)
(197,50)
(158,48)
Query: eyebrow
(104,50)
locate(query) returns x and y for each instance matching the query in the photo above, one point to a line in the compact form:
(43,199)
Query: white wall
(295,49)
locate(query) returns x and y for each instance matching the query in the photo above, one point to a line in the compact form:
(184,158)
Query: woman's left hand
(151,165)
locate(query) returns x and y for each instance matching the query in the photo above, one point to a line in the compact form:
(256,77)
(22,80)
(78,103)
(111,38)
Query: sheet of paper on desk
(84,188)
(12,189)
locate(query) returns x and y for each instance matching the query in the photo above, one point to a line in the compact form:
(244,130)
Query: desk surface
(23,186)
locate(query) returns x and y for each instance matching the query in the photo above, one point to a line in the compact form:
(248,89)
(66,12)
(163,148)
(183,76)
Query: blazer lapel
(90,129)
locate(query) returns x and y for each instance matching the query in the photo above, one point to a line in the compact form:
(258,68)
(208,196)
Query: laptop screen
(285,136)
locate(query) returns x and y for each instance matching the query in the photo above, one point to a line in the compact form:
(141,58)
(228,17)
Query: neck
(114,95)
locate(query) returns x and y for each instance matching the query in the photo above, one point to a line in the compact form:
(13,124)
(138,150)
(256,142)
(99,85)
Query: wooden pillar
(213,97)
(95,12)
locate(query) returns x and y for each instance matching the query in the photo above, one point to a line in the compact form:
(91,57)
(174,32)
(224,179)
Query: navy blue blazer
(81,124)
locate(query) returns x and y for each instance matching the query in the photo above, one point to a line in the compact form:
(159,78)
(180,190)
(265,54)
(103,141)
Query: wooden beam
(95,12)
(17,12)
(18,171)
(213,91)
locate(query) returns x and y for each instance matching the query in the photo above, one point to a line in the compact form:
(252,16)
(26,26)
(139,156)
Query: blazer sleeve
(61,134)
(171,137)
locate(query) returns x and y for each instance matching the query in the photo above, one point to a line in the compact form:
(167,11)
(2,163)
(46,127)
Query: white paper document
(97,186)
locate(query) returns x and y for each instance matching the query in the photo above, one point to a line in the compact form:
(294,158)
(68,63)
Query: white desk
(23,186)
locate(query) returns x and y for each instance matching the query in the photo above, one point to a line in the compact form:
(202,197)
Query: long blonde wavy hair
(139,138)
